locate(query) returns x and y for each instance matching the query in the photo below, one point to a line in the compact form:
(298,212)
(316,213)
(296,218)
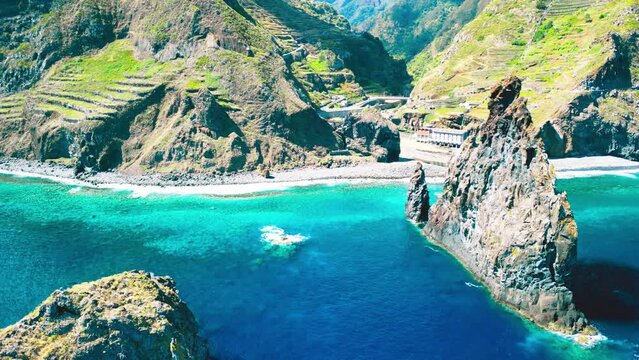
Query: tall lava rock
(500,214)
(418,203)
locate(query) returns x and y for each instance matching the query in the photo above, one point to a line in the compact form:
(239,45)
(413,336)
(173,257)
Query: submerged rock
(501,215)
(133,315)
(418,203)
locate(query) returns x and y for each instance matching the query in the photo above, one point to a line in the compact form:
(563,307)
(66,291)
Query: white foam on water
(632,174)
(584,340)
(432,249)
(142,191)
(276,236)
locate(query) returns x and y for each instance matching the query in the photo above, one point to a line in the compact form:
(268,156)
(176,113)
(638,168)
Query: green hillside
(555,46)
(180,85)
(409,27)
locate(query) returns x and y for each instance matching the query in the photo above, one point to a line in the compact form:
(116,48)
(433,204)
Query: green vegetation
(570,43)
(322,11)
(410,27)
(107,67)
(317,64)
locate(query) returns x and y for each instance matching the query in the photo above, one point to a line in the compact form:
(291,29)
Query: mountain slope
(408,27)
(176,85)
(564,50)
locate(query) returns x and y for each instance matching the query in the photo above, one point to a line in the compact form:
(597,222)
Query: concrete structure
(443,137)
(382,102)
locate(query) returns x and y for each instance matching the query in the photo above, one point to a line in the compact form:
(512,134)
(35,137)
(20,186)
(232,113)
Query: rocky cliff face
(595,124)
(369,134)
(501,216)
(418,203)
(133,315)
(574,57)
(174,86)
(603,119)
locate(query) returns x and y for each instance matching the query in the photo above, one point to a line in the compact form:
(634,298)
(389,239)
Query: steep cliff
(502,217)
(603,119)
(179,85)
(133,315)
(575,57)
(368,133)
(418,203)
(409,27)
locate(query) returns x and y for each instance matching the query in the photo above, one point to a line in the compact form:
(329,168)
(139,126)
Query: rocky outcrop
(501,216)
(369,134)
(603,119)
(174,86)
(133,315)
(595,124)
(418,203)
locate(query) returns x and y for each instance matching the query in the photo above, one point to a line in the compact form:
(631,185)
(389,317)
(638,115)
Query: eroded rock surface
(368,133)
(418,203)
(602,119)
(500,214)
(133,315)
(177,86)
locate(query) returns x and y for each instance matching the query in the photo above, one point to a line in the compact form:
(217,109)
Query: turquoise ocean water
(363,285)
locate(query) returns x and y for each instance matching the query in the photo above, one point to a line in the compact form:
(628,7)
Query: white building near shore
(443,137)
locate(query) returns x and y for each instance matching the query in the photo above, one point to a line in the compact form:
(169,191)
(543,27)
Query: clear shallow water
(364,285)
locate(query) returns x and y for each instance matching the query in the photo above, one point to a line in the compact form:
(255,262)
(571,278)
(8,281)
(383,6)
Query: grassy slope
(553,51)
(411,29)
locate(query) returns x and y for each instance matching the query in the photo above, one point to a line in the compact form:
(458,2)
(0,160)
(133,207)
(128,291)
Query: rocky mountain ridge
(579,61)
(502,217)
(133,315)
(179,86)
(411,28)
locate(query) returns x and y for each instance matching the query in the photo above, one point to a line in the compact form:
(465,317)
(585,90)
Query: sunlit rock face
(501,215)
(133,315)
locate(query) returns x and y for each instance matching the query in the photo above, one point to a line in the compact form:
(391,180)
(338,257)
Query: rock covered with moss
(133,315)
(500,214)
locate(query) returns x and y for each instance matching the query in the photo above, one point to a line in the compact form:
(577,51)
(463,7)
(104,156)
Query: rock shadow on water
(606,291)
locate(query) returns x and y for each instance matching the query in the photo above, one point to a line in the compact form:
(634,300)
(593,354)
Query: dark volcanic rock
(418,203)
(133,315)
(603,119)
(602,124)
(370,134)
(500,214)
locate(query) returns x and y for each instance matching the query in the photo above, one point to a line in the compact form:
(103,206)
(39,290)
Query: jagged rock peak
(133,315)
(503,94)
(500,214)
(418,203)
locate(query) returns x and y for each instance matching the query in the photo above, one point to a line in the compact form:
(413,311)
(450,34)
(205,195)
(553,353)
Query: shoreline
(579,339)
(592,166)
(224,185)
(249,183)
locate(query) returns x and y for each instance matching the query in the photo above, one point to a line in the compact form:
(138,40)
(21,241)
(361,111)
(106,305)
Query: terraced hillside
(176,85)
(564,50)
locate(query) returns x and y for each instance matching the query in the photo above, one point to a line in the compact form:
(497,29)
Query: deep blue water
(364,285)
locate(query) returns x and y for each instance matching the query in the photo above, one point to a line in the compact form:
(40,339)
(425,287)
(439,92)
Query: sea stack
(501,215)
(418,203)
(133,315)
